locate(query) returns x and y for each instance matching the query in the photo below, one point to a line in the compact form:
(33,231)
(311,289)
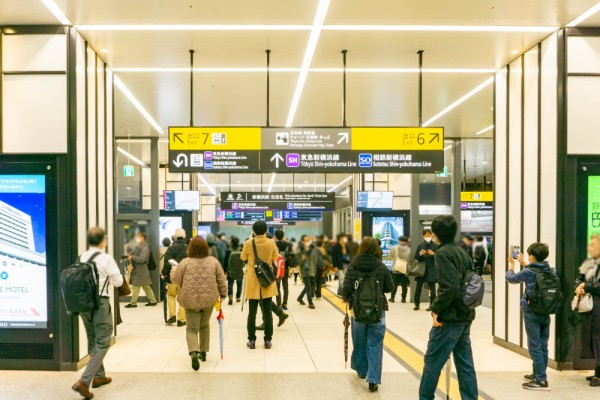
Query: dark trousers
(283,282)
(537,327)
(238,291)
(449,339)
(596,333)
(267,318)
(308,290)
(318,283)
(419,290)
(400,279)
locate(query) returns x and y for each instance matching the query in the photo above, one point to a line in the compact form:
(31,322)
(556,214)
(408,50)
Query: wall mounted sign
(248,201)
(352,150)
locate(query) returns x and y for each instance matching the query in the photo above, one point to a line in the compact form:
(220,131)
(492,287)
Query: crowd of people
(203,271)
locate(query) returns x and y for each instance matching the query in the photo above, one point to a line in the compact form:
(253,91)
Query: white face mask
(345,240)
(428,239)
(138,240)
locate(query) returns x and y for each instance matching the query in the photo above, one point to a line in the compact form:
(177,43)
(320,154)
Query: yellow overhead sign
(214,138)
(369,138)
(477,196)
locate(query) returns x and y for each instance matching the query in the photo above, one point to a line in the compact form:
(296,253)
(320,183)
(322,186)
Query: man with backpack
(99,323)
(177,251)
(540,299)
(452,318)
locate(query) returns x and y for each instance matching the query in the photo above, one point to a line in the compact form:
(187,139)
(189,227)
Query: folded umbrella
(220,318)
(346,325)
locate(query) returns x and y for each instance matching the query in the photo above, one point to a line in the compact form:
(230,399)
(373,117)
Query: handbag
(416,268)
(124,289)
(400,266)
(583,304)
(263,270)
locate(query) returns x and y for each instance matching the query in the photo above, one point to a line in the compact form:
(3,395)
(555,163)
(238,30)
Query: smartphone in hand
(515,251)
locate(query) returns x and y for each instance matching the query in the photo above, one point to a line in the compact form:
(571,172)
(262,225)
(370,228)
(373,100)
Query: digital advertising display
(181,200)
(375,201)
(23,275)
(477,221)
(167,226)
(593,211)
(388,230)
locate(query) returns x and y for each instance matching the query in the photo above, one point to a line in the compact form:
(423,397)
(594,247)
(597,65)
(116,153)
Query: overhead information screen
(181,200)
(350,150)
(316,201)
(243,215)
(375,201)
(315,216)
(23,293)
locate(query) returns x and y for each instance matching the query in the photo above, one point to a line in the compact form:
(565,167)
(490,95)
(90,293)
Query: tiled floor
(150,361)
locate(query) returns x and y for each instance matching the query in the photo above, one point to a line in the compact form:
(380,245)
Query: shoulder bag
(263,270)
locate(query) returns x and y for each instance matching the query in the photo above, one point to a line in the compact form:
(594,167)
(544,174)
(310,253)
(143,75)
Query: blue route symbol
(4,275)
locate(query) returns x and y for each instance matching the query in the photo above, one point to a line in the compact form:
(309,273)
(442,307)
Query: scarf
(589,269)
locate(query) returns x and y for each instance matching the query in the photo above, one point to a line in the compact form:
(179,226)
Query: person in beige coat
(255,293)
(202,282)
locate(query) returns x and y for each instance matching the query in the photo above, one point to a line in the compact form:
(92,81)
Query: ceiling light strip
(481,132)
(270,189)
(326,70)
(57,12)
(233,27)
(308,55)
(584,16)
(210,188)
(340,184)
(131,157)
(458,102)
(137,104)
(440,28)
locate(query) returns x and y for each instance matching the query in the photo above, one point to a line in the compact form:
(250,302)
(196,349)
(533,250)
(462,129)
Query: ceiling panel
(25,12)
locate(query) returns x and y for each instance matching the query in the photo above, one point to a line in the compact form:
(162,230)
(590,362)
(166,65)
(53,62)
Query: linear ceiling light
(481,132)
(57,12)
(584,16)
(340,184)
(439,28)
(131,157)
(137,104)
(210,188)
(270,189)
(263,27)
(458,102)
(308,55)
(328,70)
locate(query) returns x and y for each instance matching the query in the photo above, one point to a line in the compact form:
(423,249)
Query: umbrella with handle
(346,326)
(220,318)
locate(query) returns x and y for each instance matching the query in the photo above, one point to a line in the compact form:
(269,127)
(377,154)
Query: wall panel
(34,53)
(91,140)
(583,118)
(583,54)
(81,146)
(110,212)
(101,144)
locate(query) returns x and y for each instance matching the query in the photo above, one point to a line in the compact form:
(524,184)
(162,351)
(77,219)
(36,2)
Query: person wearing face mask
(308,271)
(140,275)
(403,252)
(425,253)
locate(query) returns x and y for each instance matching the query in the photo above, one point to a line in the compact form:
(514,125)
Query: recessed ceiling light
(137,104)
(103,50)
(484,163)
(237,181)
(514,52)
(484,130)
(305,181)
(57,12)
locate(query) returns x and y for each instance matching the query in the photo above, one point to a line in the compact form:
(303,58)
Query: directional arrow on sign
(344,137)
(435,136)
(177,136)
(181,160)
(277,159)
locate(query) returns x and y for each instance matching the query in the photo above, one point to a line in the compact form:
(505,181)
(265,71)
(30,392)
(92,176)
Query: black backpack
(263,270)
(79,286)
(547,295)
(151,262)
(367,299)
(236,265)
(474,289)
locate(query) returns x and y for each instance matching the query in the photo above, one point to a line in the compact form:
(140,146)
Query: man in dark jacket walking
(177,251)
(452,320)
(425,253)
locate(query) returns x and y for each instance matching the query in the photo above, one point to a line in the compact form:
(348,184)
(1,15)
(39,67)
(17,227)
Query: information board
(319,201)
(352,150)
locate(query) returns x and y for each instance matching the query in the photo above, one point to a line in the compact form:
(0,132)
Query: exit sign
(444,173)
(128,170)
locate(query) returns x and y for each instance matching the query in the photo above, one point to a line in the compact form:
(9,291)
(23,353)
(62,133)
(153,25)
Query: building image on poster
(388,230)
(593,212)
(23,295)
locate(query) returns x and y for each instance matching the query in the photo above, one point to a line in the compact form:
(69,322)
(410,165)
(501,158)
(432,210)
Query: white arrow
(277,158)
(179,161)
(344,137)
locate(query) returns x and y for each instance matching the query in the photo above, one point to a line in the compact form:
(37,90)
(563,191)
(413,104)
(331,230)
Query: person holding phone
(425,253)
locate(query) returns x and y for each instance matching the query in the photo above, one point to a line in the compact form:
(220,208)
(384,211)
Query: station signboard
(258,201)
(476,201)
(351,150)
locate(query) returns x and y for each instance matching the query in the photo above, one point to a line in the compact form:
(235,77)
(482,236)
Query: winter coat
(202,281)
(140,275)
(337,256)
(527,276)
(451,265)
(362,264)
(400,252)
(233,271)
(429,261)
(590,322)
(177,251)
(266,251)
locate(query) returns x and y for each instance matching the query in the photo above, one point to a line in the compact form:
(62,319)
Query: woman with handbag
(400,255)
(588,291)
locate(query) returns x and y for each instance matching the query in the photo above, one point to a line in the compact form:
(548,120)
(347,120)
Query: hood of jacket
(366,262)
(541,265)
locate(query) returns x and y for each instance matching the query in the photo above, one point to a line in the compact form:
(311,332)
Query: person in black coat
(367,354)
(177,251)
(425,253)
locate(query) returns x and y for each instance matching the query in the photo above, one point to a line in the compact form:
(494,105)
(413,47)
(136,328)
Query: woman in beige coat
(266,250)
(202,281)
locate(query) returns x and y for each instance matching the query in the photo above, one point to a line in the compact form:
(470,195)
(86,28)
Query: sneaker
(311,306)
(268,344)
(302,303)
(373,387)
(203,356)
(404,300)
(428,309)
(171,320)
(180,323)
(284,308)
(230,302)
(131,305)
(195,362)
(151,304)
(361,376)
(595,382)
(589,378)
(282,319)
(417,308)
(238,300)
(537,385)
(392,300)
(529,378)
(251,344)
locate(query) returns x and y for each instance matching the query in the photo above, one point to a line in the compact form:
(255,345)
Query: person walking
(99,323)
(401,252)
(367,339)
(285,249)
(480,255)
(340,259)
(266,250)
(352,247)
(202,282)
(308,271)
(235,270)
(589,283)
(537,326)
(177,251)
(140,275)
(425,253)
(451,319)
